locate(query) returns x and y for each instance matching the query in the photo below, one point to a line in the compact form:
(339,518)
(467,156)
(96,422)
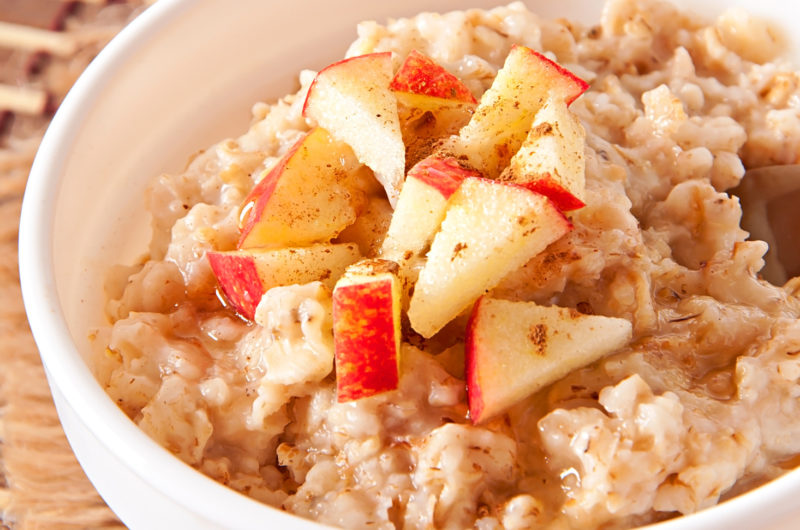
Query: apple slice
(366,329)
(425,119)
(307,197)
(245,275)
(490,229)
(419,74)
(506,111)
(551,160)
(421,206)
(432,103)
(351,99)
(513,349)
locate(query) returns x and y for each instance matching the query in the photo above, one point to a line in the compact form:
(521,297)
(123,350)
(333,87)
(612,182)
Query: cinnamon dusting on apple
(538,337)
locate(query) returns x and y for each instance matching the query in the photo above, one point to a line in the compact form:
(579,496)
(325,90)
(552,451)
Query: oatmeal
(686,391)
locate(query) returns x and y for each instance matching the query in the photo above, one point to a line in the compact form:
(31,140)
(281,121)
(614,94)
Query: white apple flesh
(507,109)
(352,100)
(551,160)
(490,228)
(514,349)
(421,206)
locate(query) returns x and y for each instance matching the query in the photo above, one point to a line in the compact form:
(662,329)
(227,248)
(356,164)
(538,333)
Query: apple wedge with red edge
(421,206)
(366,330)
(307,197)
(490,229)
(432,103)
(419,74)
(351,99)
(425,121)
(245,275)
(551,160)
(507,109)
(514,349)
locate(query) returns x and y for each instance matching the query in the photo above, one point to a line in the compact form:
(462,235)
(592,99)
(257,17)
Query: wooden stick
(6,119)
(23,100)
(34,39)
(5,498)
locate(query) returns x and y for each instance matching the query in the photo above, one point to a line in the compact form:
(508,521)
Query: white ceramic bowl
(181,76)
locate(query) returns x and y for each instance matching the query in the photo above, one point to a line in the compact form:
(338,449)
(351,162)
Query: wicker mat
(41,483)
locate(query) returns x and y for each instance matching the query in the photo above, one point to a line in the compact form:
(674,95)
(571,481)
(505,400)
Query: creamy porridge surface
(701,405)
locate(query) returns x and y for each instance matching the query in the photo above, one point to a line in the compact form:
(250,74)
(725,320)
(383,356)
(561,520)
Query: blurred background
(44,47)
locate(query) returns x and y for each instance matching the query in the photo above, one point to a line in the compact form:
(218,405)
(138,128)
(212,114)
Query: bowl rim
(67,370)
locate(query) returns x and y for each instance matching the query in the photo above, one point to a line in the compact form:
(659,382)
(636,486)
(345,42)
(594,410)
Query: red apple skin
(561,197)
(333,65)
(443,174)
(580,86)
(474,394)
(419,74)
(259,196)
(364,340)
(238,278)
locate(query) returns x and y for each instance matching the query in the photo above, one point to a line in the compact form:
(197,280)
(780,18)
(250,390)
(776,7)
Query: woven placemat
(41,483)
